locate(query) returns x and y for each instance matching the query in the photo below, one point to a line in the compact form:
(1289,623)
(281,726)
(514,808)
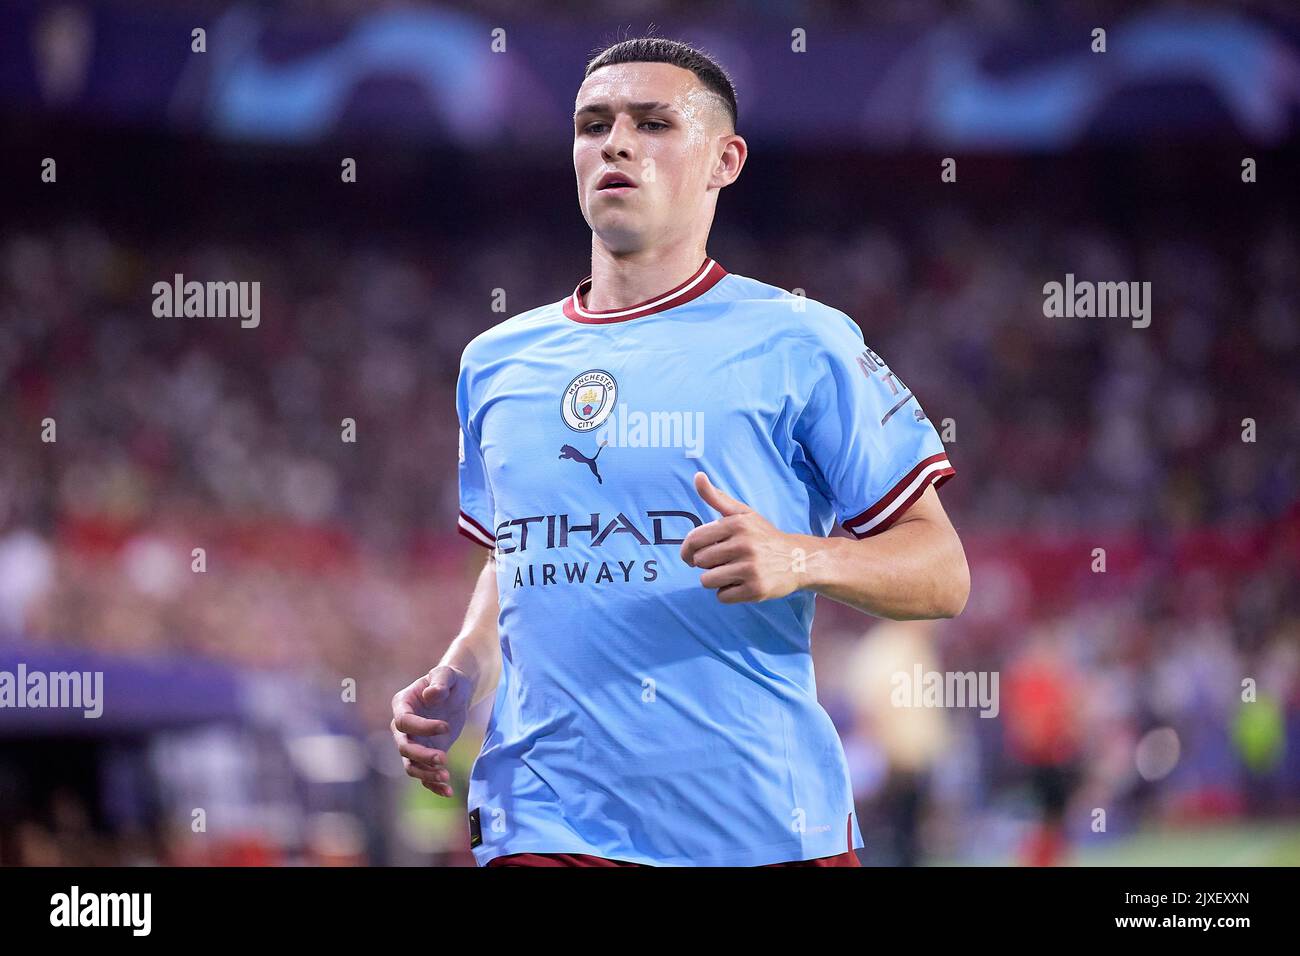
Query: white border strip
(474,532)
(654,304)
(924,476)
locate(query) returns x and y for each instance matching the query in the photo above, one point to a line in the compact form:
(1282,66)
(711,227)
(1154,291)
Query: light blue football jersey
(638,718)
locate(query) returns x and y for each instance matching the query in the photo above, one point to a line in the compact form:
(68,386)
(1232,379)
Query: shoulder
(798,319)
(508,337)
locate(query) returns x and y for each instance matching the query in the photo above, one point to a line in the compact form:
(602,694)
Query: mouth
(615,182)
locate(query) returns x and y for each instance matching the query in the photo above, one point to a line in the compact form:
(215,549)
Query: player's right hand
(428,716)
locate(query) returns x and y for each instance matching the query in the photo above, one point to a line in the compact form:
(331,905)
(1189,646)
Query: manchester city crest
(589,400)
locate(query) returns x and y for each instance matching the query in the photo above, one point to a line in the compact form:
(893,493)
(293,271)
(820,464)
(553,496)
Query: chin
(617,235)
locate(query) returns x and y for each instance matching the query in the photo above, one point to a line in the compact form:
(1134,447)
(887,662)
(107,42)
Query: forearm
(476,651)
(913,571)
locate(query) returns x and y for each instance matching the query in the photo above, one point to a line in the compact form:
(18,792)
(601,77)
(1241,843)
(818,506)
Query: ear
(730,161)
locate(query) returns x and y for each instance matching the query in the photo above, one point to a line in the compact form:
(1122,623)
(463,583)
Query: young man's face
(660,129)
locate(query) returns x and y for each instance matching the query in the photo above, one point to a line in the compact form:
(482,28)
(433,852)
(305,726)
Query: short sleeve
(869,442)
(477,510)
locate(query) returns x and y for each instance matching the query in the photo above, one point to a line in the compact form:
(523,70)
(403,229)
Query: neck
(619,280)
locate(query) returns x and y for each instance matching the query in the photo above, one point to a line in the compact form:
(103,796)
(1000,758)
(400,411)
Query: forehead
(639,83)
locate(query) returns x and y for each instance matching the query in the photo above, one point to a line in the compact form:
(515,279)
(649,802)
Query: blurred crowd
(1056,423)
(337,559)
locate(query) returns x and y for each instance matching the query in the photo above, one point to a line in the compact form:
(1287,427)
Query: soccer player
(655,464)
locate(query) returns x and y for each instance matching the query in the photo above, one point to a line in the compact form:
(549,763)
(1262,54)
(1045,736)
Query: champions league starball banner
(467,79)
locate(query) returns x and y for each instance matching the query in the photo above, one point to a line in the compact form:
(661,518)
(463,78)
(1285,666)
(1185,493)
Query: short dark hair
(657,50)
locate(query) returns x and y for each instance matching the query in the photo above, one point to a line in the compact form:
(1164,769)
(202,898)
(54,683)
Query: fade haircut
(655,50)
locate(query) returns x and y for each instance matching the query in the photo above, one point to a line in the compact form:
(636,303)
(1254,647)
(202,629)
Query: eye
(598,127)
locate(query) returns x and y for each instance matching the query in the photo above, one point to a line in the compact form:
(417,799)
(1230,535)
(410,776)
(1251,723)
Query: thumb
(438,687)
(716,498)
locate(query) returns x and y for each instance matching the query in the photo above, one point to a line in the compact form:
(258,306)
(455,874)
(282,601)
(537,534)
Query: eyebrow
(603,108)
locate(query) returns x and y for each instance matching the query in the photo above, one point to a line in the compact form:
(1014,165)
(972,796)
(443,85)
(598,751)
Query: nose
(619,144)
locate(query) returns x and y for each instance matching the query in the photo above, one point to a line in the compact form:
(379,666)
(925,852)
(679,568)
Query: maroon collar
(704,279)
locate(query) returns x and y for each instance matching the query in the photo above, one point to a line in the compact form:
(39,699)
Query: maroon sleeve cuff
(934,470)
(475,531)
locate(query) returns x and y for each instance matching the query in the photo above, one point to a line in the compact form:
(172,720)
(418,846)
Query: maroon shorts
(847,858)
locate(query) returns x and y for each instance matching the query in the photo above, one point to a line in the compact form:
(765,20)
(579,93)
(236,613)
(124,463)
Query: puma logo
(571,453)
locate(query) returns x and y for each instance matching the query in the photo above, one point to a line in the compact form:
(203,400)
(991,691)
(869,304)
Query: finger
(425,775)
(716,498)
(423,756)
(736,594)
(421,726)
(441,787)
(706,534)
(403,701)
(716,555)
(429,758)
(725,576)
(399,738)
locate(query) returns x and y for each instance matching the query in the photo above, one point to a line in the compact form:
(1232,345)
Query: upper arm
(929,508)
(477,508)
(943,545)
(873,451)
